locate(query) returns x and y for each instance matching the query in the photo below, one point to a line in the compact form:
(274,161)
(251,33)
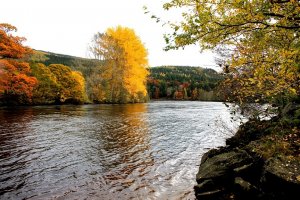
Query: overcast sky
(67,27)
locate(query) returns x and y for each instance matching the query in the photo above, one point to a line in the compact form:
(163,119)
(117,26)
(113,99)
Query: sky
(67,27)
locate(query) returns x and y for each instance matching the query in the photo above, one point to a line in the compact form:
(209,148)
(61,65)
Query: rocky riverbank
(262,161)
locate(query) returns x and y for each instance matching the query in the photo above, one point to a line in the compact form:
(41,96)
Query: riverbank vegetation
(58,84)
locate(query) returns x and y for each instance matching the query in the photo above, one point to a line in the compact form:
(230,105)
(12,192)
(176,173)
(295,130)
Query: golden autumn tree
(16,84)
(122,78)
(79,92)
(47,88)
(58,84)
(70,84)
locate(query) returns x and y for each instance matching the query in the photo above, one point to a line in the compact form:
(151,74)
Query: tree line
(183,83)
(118,73)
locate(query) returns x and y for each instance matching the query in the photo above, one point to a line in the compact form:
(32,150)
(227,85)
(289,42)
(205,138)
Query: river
(136,151)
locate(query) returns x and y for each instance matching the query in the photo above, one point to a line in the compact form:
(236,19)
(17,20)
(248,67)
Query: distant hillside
(183,82)
(83,65)
(172,82)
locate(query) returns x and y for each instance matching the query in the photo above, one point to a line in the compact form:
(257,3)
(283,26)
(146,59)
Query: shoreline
(70,104)
(261,161)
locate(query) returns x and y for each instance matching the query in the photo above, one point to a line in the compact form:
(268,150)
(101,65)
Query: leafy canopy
(16,83)
(261,39)
(70,84)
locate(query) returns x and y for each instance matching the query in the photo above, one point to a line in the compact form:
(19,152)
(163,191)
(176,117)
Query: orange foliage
(15,83)
(11,46)
(14,80)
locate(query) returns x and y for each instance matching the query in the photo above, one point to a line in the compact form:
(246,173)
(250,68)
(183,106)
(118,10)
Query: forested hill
(84,65)
(183,82)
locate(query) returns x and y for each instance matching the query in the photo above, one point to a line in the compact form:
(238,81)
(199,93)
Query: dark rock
(244,189)
(214,194)
(250,131)
(216,174)
(251,172)
(280,178)
(242,184)
(213,152)
(221,167)
(241,170)
(205,186)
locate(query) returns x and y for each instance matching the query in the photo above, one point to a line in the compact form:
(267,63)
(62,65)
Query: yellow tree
(70,84)
(122,78)
(47,88)
(79,87)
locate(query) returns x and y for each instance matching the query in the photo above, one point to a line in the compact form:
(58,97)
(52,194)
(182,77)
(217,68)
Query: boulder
(221,167)
(216,174)
(279,180)
(244,189)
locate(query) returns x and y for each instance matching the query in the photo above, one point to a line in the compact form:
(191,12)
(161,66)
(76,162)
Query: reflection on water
(139,151)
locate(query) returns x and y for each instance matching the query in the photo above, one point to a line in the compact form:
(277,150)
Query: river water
(137,151)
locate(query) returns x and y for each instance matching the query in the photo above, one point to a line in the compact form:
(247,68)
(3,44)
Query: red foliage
(178,95)
(153,81)
(186,85)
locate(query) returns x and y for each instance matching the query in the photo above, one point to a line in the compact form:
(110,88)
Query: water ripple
(141,151)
